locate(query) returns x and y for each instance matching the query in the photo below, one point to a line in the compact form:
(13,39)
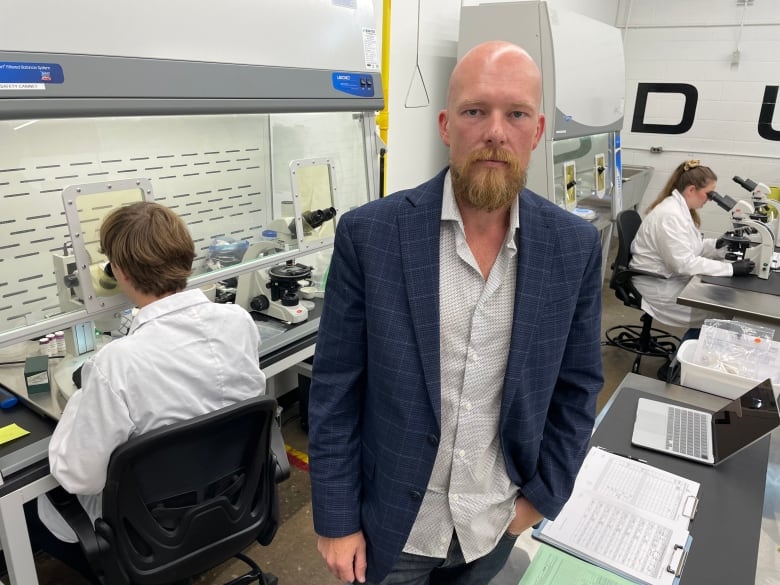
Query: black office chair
(643,340)
(182,499)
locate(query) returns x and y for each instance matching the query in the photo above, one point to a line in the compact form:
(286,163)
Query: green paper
(551,566)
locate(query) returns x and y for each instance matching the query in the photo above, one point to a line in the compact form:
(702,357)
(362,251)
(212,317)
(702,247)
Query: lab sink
(635,181)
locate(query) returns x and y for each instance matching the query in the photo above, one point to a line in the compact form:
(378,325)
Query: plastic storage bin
(710,380)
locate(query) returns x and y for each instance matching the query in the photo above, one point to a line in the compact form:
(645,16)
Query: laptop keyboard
(686,432)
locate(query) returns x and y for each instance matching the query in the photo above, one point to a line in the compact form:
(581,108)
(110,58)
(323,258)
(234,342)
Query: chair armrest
(635,272)
(622,275)
(626,272)
(74,514)
(277,448)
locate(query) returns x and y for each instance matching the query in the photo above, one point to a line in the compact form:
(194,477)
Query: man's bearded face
(488,187)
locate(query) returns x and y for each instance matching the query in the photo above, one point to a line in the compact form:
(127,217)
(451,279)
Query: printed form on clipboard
(628,517)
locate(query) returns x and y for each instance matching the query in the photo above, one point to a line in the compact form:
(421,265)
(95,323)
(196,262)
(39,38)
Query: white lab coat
(669,244)
(184,356)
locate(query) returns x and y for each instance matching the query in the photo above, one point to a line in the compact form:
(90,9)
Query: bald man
(458,358)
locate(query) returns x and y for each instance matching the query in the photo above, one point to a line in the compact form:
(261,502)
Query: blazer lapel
(418,228)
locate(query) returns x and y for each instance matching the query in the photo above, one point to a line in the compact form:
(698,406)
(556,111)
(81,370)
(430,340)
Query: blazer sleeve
(335,395)
(571,411)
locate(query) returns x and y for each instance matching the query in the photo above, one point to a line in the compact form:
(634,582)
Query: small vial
(59,337)
(43,346)
(52,345)
(270,236)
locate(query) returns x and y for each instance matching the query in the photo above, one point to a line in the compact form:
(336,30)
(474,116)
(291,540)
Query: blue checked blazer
(374,405)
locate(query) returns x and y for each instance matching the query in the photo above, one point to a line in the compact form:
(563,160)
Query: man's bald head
(491,55)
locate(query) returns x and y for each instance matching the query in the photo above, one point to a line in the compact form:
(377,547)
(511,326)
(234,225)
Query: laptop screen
(745,420)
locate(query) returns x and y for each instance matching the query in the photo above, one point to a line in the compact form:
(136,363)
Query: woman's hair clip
(690,164)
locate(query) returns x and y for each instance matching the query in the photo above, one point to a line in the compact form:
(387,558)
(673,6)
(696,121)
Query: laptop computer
(704,437)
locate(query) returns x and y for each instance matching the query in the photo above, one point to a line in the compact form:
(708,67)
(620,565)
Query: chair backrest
(184,498)
(627,222)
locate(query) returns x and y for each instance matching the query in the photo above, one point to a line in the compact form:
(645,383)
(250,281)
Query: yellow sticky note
(11,432)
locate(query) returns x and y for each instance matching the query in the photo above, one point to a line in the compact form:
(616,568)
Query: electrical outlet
(656,149)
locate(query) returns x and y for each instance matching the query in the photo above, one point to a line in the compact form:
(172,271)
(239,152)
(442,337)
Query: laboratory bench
(732,302)
(736,529)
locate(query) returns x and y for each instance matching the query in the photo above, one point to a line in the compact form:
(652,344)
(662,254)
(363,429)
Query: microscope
(71,293)
(287,232)
(751,238)
(766,209)
(274,291)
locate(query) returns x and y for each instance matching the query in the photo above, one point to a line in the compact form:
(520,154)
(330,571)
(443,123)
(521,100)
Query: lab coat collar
(166,305)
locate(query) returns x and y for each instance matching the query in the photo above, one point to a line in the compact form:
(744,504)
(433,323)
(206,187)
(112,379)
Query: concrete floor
(293,556)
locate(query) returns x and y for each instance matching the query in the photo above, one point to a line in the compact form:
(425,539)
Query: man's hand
(525,517)
(345,556)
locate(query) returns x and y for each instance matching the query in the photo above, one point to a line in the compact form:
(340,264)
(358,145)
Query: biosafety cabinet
(583,76)
(254,121)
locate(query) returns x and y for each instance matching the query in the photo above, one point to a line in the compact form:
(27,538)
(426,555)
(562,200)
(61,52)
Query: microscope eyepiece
(746,184)
(316,217)
(724,201)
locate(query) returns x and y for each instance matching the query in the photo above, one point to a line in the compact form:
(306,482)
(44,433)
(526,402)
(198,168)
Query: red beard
(488,189)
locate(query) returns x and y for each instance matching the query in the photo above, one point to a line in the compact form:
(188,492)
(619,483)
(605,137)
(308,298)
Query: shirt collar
(451,212)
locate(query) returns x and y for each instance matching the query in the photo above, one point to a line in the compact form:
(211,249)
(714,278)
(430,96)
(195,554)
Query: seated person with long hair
(670,244)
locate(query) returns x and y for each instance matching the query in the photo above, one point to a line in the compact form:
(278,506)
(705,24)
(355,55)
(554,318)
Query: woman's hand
(742,267)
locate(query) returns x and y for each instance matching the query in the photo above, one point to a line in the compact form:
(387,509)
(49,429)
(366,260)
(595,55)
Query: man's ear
(443,127)
(539,131)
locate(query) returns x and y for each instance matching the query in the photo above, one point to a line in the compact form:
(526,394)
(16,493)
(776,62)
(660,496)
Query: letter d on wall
(644,89)
(765,129)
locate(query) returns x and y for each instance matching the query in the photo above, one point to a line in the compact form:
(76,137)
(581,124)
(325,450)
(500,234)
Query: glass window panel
(228,176)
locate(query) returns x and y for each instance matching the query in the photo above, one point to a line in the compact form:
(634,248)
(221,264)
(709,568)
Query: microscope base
(294,314)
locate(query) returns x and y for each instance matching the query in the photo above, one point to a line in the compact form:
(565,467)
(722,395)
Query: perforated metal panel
(214,171)
(225,175)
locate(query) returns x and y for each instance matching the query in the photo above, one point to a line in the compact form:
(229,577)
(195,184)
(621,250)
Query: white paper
(626,515)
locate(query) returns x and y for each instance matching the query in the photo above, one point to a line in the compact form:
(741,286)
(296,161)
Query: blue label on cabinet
(359,84)
(18,72)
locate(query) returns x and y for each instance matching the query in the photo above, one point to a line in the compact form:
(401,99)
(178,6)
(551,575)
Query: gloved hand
(742,267)
(719,243)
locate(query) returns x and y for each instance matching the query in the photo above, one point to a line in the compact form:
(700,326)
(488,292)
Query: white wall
(693,42)
(415,150)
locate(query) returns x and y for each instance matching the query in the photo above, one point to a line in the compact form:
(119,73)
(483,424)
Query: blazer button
(433,440)
(416,496)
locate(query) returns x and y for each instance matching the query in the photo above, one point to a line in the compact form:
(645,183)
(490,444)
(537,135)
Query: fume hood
(234,118)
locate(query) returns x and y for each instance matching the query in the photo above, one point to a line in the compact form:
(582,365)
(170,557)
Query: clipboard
(672,572)
(628,517)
